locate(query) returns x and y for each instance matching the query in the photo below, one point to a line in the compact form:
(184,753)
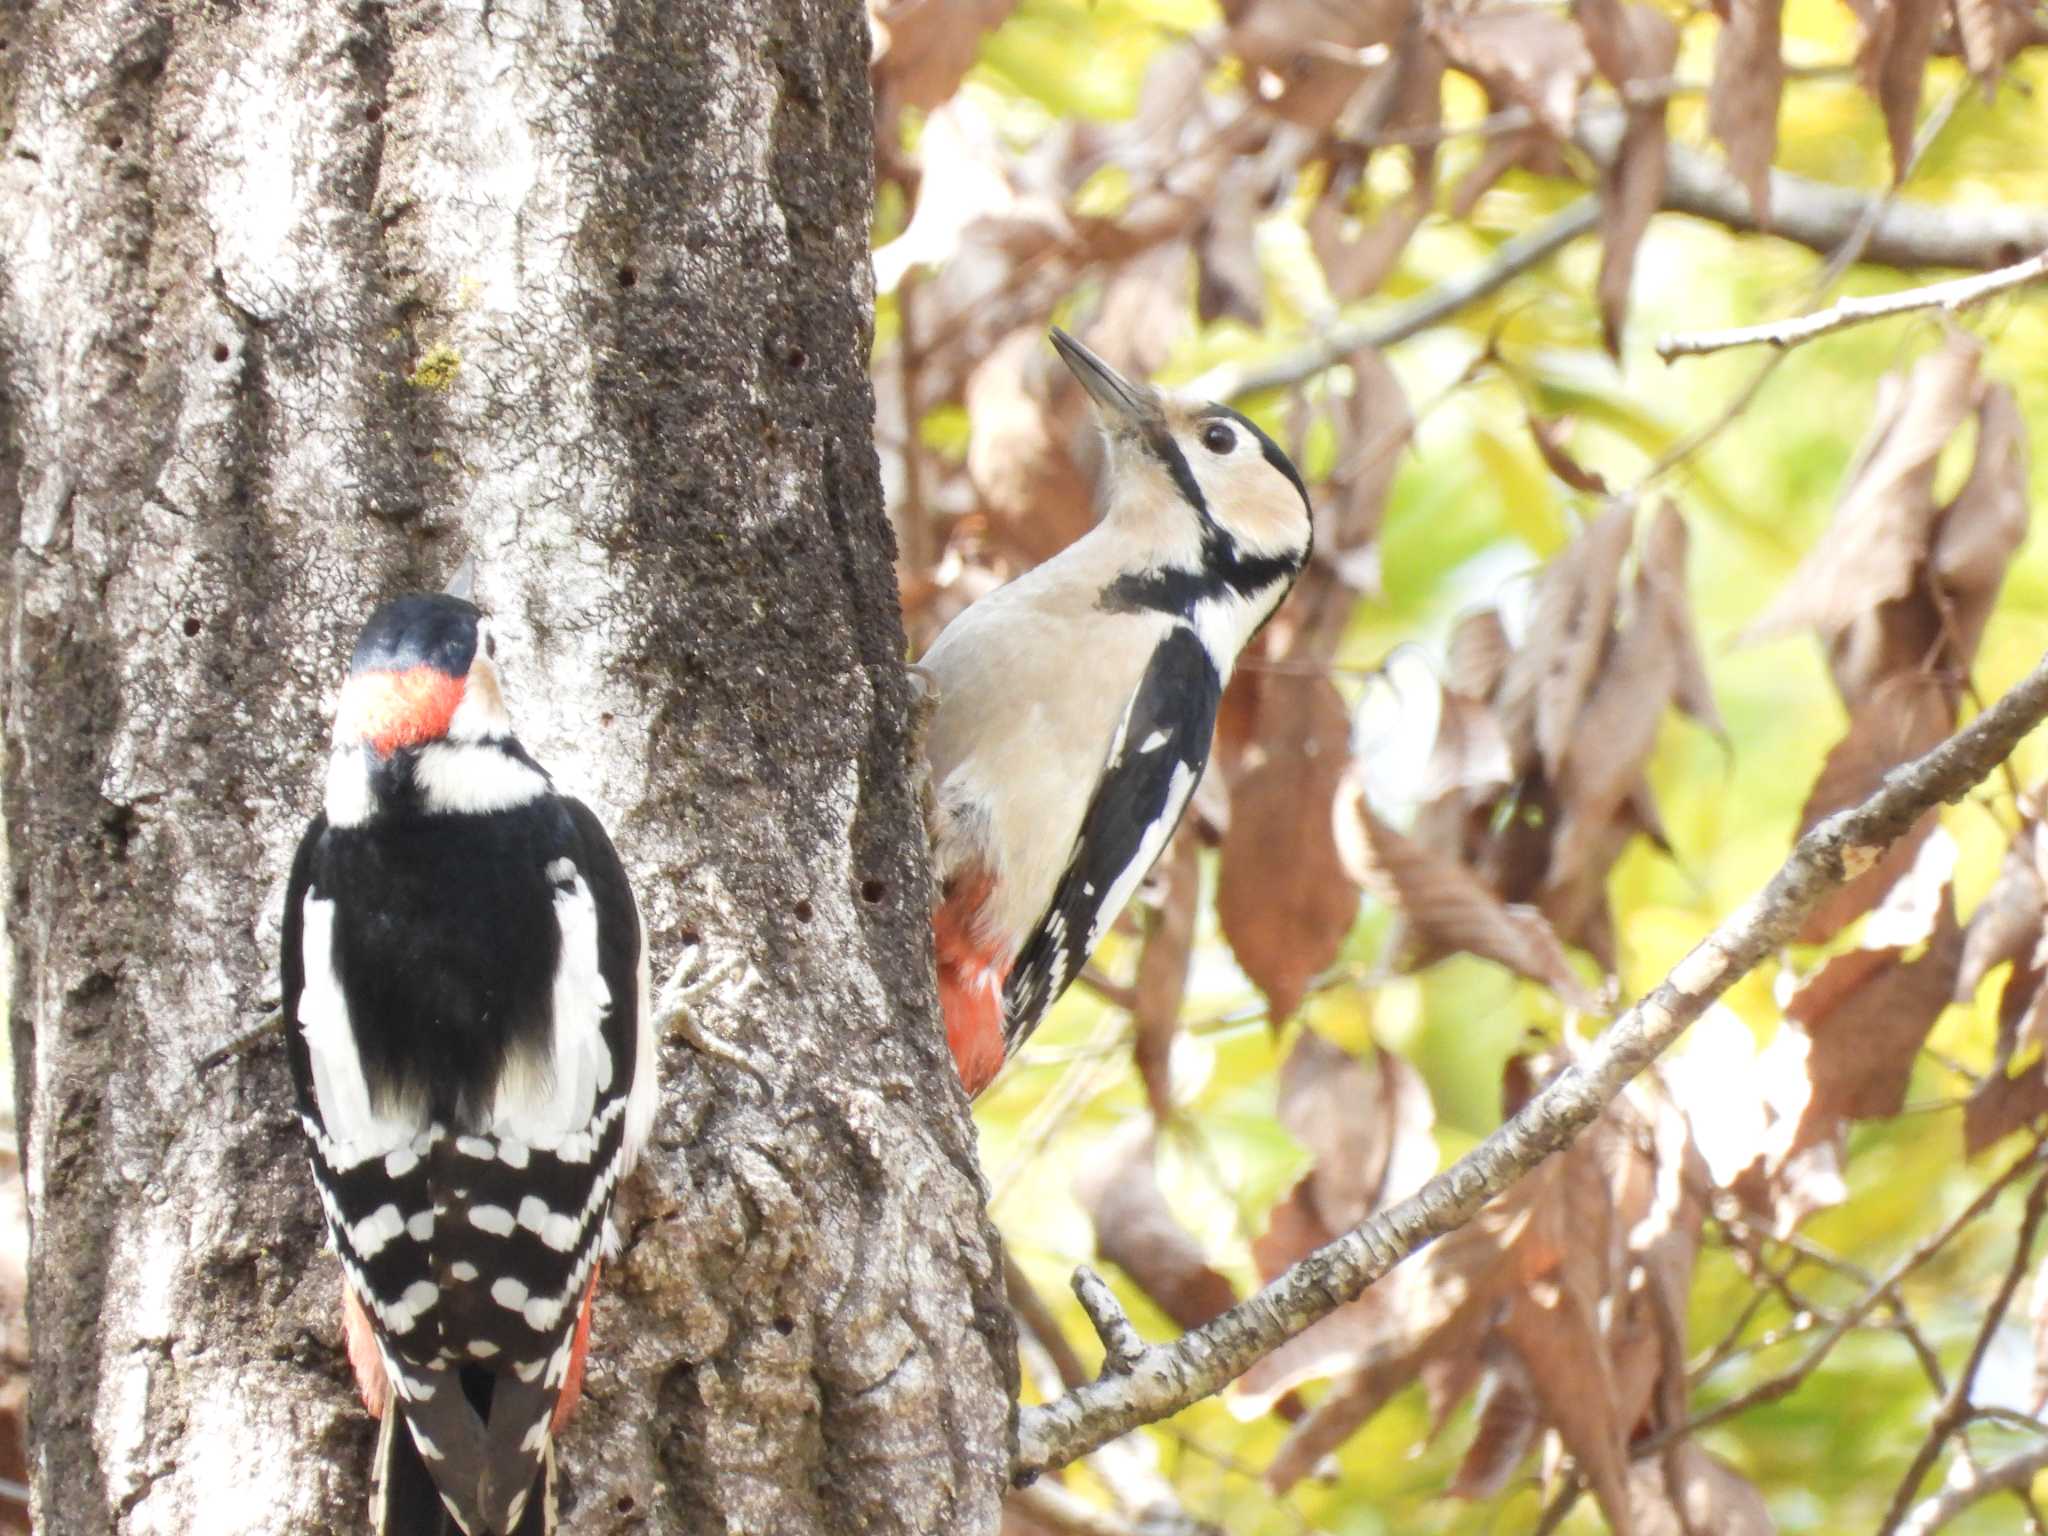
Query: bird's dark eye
(1218,438)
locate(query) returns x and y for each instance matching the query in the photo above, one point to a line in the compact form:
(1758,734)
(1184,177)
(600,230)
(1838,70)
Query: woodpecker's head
(424,671)
(1194,472)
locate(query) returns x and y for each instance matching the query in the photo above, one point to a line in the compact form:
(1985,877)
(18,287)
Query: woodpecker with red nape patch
(1076,704)
(465,997)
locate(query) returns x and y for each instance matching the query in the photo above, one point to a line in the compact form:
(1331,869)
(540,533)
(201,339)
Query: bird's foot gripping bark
(679,1011)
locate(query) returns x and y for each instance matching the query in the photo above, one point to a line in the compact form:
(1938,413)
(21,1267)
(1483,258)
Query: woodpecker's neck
(449,777)
(1218,589)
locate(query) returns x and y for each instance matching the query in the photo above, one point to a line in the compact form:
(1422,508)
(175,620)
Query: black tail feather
(406,1502)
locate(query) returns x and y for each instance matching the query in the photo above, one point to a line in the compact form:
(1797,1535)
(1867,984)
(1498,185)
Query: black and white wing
(1155,759)
(472,1232)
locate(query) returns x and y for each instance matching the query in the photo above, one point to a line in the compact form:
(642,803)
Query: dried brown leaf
(2037,1319)
(1547,679)
(1368,1124)
(1446,907)
(1901,718)
(1690,1492)
(1356,254)
(2002,1104)
(1228,281)
(924,48)
(1136,1231)
(1982,528)
(1478,653)
(1162,978)
(1460,1276)
(1550,437)
(1632,184)
(1992,31)
(1612,737)
(1892,57)
(1508,1424)
(2007,923)
(1558,1339)
(1882,526)
(1470,753)
(1020,449)
(1520,54)
(1661,564)
(1868,1013)
(1742,103)
(1375,424)
(1283,898)
(1501,155)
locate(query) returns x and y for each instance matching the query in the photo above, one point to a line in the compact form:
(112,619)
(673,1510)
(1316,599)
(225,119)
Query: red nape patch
(970,984)
(363,1353)
(389,710)
(572,1382)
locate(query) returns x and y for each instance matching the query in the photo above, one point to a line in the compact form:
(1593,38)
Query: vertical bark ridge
(299,304)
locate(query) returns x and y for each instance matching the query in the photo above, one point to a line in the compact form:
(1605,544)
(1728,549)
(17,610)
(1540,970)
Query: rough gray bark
(298,305)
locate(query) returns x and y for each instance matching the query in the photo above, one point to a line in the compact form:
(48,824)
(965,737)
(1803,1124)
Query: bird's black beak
(1127,404)
(463,583)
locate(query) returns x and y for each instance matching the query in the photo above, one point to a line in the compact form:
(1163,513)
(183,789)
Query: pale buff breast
(1033,681)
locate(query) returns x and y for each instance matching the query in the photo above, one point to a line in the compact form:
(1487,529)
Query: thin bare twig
(1234,381)
(1950,297)
(1954,1411)
(1784,1384)
(1049,1504)
(2012,1475)
(1166,1379)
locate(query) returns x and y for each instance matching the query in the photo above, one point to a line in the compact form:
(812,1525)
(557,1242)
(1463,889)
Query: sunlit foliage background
(1473,511)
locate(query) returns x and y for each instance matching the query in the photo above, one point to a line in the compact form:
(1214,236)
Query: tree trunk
(299,306)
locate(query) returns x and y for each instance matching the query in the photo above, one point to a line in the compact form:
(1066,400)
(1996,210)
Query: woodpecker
(1076,704)
(465,995)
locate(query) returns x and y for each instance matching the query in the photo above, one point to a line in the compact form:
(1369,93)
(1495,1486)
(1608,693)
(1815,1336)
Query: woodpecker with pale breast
(465,997)
(1076,704)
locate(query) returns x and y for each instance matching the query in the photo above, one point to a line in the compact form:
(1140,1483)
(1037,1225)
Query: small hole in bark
(873,890)
(690,938)
(220,351)
(625,1504)
(192,626)
(798,358)
(605,718)
(785,1326)
(374,115)
(803,911)
(115,141)
(628,277)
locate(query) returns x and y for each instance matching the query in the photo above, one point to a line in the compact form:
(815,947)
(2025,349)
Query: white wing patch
(640,1097)
(541,1103)
(355,1130)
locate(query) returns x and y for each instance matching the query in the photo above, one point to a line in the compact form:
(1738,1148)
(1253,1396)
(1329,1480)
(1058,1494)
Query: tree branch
(1234,381)
(1956,294)
(2011,1475)
(1821,217)
(1163,1380)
